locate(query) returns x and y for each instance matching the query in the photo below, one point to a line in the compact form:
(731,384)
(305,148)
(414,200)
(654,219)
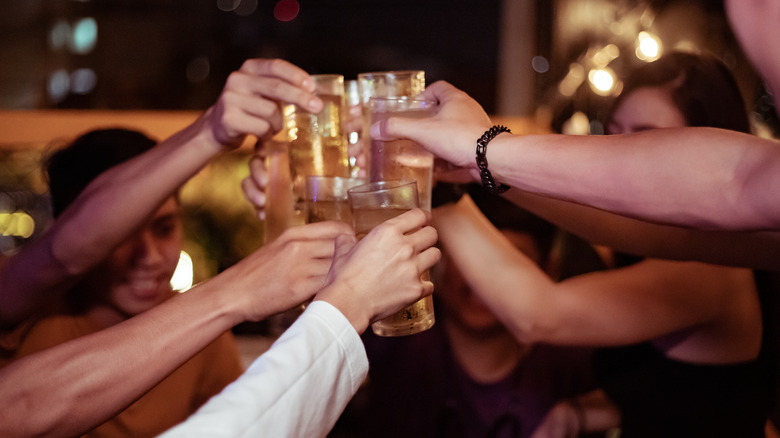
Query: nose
(146,251)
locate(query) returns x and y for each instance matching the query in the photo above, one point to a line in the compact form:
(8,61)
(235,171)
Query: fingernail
(308,84)
(374,130)
(315,104)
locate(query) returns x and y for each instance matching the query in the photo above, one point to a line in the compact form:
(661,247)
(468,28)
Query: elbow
(530,330)
(68,262)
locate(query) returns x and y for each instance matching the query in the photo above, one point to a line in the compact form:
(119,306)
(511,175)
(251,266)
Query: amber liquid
(403,160)
(321,211)
(318,145)
(413,319)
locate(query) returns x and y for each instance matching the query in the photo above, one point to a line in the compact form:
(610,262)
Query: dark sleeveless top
(662,397)
(416,389)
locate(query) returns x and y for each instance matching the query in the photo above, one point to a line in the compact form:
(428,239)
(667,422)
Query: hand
(378,276)
(250,102)
(560,422)
(283,273)
(451,134)
(254,185)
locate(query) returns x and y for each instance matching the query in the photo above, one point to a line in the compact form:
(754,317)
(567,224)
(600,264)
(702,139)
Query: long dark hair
(700,85)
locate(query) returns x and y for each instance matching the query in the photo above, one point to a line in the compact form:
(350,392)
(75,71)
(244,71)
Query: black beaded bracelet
(484,173)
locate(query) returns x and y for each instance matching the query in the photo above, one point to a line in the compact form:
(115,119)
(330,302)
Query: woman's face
(645,108)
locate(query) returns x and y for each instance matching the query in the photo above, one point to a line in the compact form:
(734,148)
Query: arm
(302,384)
(755,249)
(112,368)
(298,388)
(701,177)
(585,310)
(113,205)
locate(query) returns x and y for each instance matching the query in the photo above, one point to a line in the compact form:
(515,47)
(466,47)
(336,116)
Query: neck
(487,356)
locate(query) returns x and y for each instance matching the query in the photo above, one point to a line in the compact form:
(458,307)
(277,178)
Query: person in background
(703,178)
(467,375)
(697,355)
(679,331)
(68,389)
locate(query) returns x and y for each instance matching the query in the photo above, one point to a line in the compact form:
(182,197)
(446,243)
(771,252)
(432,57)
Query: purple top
(416,389)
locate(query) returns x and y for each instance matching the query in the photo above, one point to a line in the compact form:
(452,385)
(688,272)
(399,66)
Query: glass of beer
(372,204)
(327,200)
(402,159)
(280,212)
(318,143)
(394,83)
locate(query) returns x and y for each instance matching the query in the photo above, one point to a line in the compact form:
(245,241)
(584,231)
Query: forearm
(745,249)
(68,389)
(117,202)
(509,283)
(699,177)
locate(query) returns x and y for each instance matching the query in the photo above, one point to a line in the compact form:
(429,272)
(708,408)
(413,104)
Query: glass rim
(417,98)
(381,105)
(390,73)
(327,76)
(382,186)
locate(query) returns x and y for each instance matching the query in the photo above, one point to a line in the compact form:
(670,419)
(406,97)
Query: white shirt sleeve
(298,388)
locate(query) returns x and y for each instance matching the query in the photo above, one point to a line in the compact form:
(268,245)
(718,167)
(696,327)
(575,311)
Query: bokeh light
(59,34)
(84,37)
(540,64)
(198,69)
(17,224)
(286,10)
(58,85)
(572,81)
(648,47)
(183,275)
(83,81)
(602,81)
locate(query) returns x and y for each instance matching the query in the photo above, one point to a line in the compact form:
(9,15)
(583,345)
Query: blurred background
(67,66)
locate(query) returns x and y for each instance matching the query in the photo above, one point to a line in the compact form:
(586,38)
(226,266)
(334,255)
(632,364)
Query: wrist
(350,308)
(485,175)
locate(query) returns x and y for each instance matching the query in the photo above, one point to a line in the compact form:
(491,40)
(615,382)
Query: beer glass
(372,204)
(318,144)
(394,83)
(327,200)
(280,212)
(402,159)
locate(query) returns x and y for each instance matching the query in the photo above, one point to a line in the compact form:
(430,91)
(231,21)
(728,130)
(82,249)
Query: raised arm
(117,202)
(700,177)
(754,249)
(601,308)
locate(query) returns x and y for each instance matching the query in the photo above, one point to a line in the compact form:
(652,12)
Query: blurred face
(461,304)
(645,108)
(136,276)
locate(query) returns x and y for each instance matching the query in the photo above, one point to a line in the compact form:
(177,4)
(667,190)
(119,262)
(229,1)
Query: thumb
(396,127)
